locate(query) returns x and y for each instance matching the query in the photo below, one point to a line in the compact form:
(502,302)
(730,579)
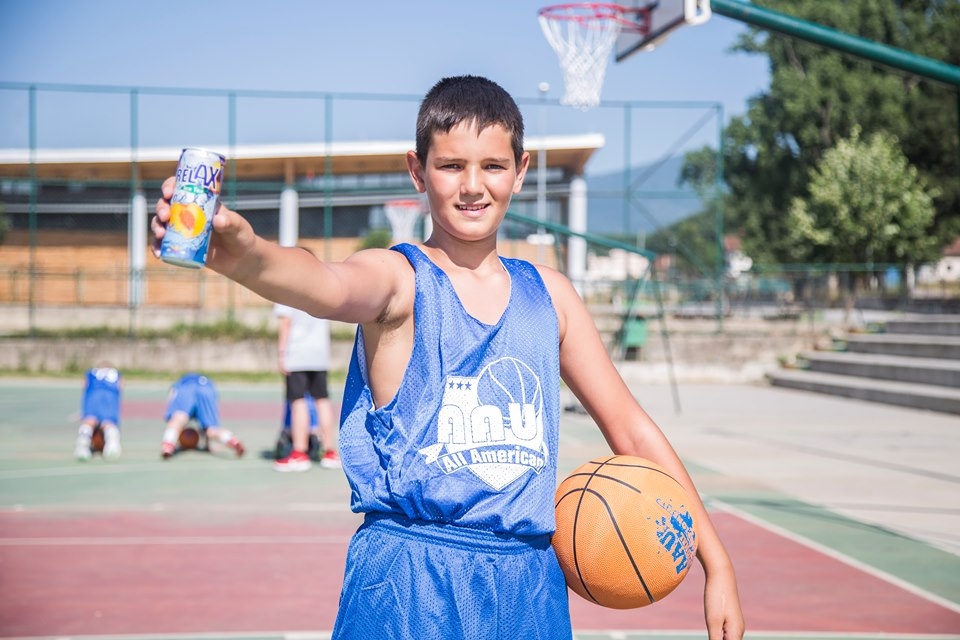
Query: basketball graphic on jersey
(491,424)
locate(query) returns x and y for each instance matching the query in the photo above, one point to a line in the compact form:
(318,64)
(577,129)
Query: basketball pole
(832,38)
(542,88)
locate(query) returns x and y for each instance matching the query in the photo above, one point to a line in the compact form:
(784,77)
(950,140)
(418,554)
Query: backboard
(665,17)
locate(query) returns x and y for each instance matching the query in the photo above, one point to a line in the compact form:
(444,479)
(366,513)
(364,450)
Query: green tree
(692,242)
(866,203)
(376,239)
(817,96)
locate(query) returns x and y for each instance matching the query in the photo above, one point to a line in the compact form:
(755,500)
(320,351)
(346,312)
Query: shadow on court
(841,517)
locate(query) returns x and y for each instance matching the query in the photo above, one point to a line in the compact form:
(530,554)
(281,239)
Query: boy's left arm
(588,371)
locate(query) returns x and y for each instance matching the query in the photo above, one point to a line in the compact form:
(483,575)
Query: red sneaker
(330,460)
(296,461)
(167,449)
(237,446)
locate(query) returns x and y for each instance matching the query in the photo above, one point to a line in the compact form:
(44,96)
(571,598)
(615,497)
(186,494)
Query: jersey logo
(491,424)
(106,374)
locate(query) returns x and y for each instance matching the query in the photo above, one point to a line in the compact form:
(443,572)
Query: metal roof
(273,162)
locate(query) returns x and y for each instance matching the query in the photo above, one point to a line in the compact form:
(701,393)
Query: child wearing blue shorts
(100,409)
(194,397)
(450,423)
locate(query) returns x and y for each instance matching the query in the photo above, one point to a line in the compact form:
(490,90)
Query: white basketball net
(402,215)
(583,36)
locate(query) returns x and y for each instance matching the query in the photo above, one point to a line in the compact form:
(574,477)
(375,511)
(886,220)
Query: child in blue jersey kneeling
(450,424)
(100,410)
(194,397)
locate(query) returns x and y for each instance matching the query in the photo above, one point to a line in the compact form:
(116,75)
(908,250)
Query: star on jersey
(491,424)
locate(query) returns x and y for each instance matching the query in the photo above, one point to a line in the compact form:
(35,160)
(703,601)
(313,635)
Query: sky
(342,47)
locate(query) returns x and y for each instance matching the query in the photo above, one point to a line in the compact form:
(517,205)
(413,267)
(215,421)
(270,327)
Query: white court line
(85,470)
(77,541)
(578,633)
(318,507)
(836,555)
(620,634)
(212,635)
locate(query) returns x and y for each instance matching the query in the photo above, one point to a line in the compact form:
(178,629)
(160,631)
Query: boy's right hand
(231,241)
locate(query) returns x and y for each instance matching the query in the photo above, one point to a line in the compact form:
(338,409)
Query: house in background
(947,269)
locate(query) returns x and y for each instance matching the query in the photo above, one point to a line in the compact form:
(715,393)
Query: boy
(460,351)
(194,397)
(285,440)
(303,349)
(100,408)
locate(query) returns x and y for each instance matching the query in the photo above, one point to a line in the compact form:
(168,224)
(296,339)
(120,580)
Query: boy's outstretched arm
(590,374)
(359,289)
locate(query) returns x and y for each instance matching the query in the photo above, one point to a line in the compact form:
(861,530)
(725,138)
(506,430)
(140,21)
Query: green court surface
(832,506)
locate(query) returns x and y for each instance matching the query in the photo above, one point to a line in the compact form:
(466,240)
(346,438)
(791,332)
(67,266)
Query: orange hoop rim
(589,11)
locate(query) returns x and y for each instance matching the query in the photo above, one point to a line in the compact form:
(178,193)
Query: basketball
(96,440)
(625,537)
(189,438)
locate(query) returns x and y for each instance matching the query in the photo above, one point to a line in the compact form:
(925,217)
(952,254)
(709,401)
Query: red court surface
(206,544)
(143,574)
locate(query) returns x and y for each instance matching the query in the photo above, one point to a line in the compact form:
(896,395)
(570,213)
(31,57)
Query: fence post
(31,280)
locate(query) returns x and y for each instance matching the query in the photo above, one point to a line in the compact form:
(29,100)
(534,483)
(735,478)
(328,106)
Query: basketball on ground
(189,438)
(96,440)
(625,537)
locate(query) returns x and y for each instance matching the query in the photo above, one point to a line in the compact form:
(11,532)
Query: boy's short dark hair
(467,99)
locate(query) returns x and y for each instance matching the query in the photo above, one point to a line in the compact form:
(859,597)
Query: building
(74,213)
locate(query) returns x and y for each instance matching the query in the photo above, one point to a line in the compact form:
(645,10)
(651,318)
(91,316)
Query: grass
(223,331)
(226,330)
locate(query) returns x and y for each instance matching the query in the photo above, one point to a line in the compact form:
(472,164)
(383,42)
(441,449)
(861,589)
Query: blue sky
(380,47)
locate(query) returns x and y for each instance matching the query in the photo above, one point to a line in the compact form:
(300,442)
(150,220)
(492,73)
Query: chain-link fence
(67,258)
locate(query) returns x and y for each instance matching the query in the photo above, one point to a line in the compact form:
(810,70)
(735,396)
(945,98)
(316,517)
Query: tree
(866,204)
(818,96)
(692,242)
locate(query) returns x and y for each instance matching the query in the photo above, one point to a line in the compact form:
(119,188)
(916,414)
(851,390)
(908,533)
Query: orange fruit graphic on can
(196,198)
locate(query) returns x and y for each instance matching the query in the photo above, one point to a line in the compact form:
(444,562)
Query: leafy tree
(866,203)
(692,242)
(818,96)
(376,239)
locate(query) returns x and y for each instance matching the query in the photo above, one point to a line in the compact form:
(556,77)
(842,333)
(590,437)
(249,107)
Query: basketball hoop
(583,35)
(402,215)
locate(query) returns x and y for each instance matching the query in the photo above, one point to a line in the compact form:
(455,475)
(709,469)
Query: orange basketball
(189,438)
(625,537)
(96,440)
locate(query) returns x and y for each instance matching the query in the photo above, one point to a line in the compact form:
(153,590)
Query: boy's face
(469,179)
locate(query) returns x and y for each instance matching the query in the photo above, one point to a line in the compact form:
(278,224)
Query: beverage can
(196,198)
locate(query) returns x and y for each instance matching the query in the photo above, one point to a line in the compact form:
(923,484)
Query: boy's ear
(521,171)
(416,171)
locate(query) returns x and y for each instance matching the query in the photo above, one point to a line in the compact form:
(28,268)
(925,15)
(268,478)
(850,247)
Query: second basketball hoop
(403,215)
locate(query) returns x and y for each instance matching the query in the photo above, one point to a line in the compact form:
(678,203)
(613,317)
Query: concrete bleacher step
(905,394)
(934,325)
(934,371)
(907,345)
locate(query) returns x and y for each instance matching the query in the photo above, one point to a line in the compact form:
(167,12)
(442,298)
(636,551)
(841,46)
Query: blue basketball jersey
(101,395)
(471,436)
(195,395)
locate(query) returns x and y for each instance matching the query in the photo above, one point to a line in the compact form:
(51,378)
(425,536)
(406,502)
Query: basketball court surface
(842,517)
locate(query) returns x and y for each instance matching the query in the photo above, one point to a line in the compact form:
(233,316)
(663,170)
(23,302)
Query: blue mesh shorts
(410,580)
